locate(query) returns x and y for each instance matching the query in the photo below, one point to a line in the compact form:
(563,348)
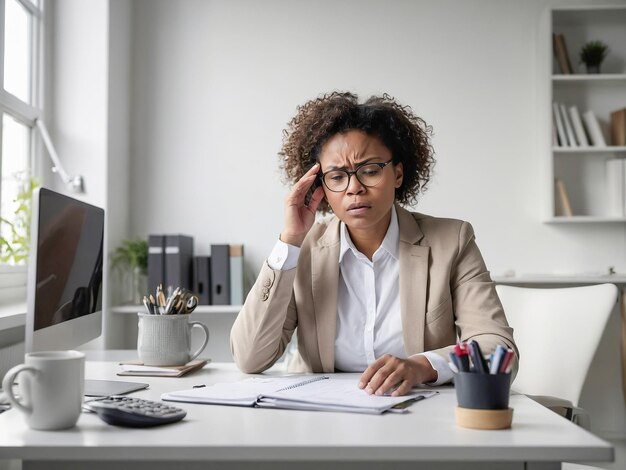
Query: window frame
(13,278)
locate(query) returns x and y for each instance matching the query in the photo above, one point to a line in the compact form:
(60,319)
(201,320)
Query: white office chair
(557,332)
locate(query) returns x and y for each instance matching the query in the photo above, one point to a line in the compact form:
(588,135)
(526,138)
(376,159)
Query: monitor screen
(65,272)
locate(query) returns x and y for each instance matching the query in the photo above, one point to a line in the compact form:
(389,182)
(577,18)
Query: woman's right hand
(299,217)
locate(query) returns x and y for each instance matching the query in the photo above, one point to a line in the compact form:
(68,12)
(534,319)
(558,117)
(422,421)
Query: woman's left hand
(390,374)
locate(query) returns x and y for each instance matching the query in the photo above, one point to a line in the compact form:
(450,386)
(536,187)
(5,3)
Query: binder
(220,275)
(178,255)
(156,262)
(202,279)
(236,275)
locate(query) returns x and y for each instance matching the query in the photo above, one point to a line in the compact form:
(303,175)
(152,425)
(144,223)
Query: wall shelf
(581,183)
(588,150)
(213,309)
(600,77)
(577,219)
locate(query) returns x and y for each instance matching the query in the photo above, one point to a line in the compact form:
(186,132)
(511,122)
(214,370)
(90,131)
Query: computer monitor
(64,290)
(65,272)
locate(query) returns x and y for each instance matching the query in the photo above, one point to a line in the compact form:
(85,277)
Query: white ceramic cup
(165,340)
(51,387)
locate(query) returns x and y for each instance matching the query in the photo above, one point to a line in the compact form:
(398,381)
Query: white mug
(51,388)
(165,340)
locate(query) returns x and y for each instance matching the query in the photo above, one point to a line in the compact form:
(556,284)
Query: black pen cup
(482,391)
(483,400)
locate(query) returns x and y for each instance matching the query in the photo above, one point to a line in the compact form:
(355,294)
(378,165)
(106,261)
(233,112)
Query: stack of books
(570,129)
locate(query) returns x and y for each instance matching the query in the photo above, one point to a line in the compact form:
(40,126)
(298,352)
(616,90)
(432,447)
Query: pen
(507,362)
(146,304)
(496,359)
(454,361)
(480,365)
(463,356)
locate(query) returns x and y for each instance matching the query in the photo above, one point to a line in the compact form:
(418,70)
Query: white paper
(313,392)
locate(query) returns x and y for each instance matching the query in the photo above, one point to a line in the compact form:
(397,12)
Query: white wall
(215,82)
(185,138)
(90,55)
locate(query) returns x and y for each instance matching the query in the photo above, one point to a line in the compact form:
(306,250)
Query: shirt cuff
(284,256)
(444,373)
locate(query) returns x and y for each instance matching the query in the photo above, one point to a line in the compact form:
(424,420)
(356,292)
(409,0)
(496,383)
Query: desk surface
(222,433)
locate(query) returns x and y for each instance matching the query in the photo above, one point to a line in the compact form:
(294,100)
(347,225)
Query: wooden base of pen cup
(483,400)
(484,419)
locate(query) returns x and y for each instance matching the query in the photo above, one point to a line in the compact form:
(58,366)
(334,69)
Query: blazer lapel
(413,282)
(325,282)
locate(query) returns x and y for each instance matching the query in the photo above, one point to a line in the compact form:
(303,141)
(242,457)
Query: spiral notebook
(311,392)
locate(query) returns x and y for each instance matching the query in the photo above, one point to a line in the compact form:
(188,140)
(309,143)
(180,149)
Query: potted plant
(592,54)
(15,239)
(131,257)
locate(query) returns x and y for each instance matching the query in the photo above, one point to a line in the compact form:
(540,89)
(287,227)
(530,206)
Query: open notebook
(311,392)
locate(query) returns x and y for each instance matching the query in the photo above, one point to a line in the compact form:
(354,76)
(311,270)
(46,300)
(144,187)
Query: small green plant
(15,233)
(131,254)
(593,53)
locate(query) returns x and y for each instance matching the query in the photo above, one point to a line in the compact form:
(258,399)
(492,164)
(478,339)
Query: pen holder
(483,400)
(165,340)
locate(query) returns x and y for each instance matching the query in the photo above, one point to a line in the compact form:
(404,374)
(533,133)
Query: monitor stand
(104,388)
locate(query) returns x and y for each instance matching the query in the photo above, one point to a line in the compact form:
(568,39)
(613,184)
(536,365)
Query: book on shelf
(560,128)
(579,130)
(616,187)
(569,128)
(618,127)
(560,52)
(562,202)
(593,129)
(315,392)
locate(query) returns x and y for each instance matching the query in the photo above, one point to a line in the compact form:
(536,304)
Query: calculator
(134,412)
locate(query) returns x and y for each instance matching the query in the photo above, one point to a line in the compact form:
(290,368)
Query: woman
(374,289)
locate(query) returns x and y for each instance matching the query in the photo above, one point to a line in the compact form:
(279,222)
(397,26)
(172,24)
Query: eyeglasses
(368,174)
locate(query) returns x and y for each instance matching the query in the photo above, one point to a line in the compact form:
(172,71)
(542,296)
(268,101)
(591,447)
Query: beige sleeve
(477,307)
(266,322)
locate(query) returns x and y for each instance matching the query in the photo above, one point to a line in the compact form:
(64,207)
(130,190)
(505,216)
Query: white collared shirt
(369,322)
(368,302)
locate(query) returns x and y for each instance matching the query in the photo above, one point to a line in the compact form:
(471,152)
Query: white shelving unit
(583,170)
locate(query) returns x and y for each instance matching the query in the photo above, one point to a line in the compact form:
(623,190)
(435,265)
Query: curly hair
(402,132)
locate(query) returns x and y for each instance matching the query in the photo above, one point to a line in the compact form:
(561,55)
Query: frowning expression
(360,206)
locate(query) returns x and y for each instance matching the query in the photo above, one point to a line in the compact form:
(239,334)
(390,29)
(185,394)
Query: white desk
(234,437)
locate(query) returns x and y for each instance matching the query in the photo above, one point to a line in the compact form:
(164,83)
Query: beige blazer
(446,294)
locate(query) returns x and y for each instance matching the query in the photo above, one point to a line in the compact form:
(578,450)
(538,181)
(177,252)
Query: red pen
(507,362)
(462,353)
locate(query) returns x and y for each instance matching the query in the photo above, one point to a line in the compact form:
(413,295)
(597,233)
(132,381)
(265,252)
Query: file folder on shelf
(178,255)
(220,275)
(202,279)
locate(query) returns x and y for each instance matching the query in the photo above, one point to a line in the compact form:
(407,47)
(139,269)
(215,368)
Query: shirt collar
(390,242)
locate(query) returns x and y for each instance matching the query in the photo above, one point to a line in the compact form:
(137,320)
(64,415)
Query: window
(20,105)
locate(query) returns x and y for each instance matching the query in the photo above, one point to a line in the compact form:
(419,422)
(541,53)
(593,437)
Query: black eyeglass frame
(354,172)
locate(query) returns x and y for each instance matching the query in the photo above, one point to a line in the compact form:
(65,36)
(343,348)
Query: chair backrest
(557,332)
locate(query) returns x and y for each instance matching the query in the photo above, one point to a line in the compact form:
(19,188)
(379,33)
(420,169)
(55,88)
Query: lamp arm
(74,182)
